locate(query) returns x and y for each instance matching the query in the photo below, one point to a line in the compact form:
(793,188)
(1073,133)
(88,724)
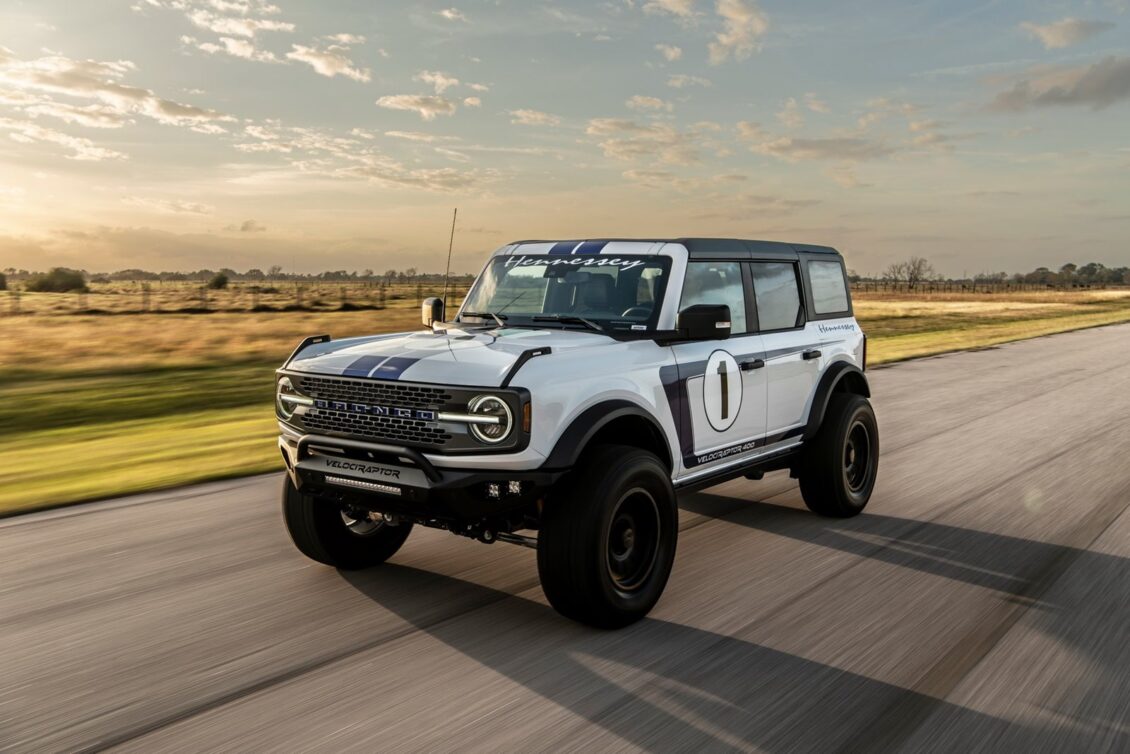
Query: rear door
(793,359)
(719,381)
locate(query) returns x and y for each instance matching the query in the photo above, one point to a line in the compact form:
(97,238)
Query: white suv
(580,386)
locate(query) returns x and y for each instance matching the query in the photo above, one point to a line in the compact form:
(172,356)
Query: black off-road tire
(320,532)
(838,470)
(607,537)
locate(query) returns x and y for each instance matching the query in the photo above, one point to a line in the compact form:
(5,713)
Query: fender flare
(584,427)
(833,376)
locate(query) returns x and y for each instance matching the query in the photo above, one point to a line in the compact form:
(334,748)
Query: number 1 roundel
(722,390)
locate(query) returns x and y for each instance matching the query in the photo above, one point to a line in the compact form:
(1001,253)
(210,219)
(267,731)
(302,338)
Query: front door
(719,383)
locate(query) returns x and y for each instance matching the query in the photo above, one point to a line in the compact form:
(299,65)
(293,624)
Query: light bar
(341,481)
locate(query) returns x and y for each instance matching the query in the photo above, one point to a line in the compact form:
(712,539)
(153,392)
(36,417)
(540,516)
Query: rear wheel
(607,539)
(839,467)
(345,538)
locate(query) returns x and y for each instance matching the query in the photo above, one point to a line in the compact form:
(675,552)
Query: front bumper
(401,481)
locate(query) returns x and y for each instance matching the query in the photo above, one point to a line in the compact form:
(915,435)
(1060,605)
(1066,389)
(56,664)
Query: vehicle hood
(455,357)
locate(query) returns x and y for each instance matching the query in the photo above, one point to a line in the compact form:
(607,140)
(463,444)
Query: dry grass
(91,343)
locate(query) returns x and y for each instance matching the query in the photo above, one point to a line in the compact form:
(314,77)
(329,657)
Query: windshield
(612,292)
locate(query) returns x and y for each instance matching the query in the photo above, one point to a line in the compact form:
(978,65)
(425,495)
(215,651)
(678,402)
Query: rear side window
(717,283)
(829,290)
(776,288)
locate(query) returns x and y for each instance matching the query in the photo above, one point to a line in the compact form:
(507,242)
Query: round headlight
(494,408)
(287,398)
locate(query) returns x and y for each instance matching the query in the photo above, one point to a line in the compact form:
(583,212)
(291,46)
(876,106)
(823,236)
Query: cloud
(247,226)
(441,81)
(37,80)
(790,115)
(815,104)
(679,8)
(639,102)
(623,139)
(171,206)
(834,148)
(881,108)
(670,53)
(346,39)
(1065,32)
(472,102)
(239,26)
(237,48)
(452,14)
(1097,86)
(26,132)
(91,116)
(418,136)
(682,80)
(843,148)
(478,87)
(743,26)
(329,62)
(533,118)
(426,106)
(845,176)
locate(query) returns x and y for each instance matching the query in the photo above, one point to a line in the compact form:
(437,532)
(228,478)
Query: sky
(340,134)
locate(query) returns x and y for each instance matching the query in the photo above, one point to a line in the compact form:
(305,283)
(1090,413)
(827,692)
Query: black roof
(736,248)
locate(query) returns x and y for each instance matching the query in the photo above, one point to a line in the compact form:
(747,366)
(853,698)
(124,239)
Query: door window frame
(752,326)
(802,294)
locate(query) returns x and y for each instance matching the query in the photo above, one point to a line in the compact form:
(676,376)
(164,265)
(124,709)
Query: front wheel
(837,472)
(344,538)
(607,539)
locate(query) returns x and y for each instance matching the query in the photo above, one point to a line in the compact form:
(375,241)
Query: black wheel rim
(361,523)
(857,457)
(633,540)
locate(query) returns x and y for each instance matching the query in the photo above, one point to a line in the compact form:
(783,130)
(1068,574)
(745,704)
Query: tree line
(919,270)
(62,279)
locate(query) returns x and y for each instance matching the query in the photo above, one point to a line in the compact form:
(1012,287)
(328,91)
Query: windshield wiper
(483,315)
(569,319)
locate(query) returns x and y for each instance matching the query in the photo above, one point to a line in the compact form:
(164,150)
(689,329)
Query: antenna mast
(450,243)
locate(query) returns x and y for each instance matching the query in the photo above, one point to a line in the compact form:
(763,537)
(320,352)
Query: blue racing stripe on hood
(392,368)
(362,366)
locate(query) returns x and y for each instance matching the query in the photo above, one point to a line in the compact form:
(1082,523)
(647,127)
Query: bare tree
(913,271)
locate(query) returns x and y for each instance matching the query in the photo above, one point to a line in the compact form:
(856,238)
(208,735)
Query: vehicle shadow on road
(1084,621)
(660,685)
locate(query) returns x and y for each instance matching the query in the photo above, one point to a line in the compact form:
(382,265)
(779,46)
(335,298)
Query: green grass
(72,464)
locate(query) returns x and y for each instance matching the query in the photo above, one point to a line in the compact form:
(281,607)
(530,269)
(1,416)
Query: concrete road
(982,602)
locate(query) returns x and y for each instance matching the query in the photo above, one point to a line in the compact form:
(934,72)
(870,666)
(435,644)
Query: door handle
(812,354)
(749,366)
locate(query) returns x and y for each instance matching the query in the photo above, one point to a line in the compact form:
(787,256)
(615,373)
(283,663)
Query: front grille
(398,430)
(382,393)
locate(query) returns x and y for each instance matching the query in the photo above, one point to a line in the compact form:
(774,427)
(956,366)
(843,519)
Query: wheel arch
(840,377)
(618,422)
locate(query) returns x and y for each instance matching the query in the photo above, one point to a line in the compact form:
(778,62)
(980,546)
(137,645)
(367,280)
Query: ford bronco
(579,388)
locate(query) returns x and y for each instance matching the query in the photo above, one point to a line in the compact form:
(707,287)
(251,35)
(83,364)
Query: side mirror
(431,311)
(704,322)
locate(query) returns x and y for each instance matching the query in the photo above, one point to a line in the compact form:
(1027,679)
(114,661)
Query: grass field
(99,405)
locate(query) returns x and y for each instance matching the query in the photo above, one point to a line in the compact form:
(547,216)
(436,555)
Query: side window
(829,291)
(776,287)
(717,283)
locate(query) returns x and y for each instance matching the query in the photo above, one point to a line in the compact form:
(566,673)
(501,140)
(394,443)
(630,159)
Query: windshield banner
(624,263)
